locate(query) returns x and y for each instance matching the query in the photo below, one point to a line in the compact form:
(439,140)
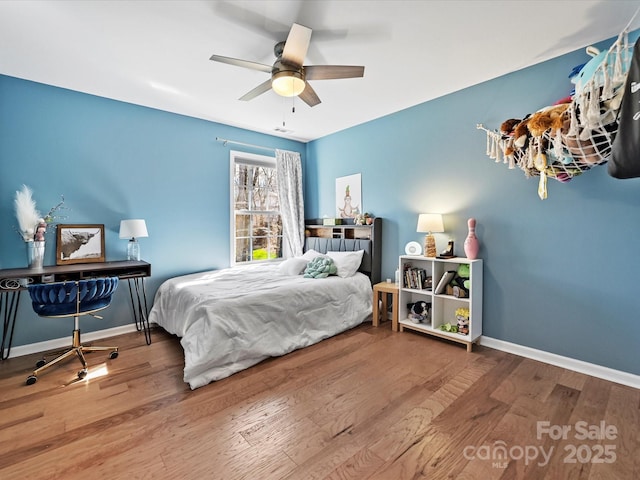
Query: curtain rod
(225,141)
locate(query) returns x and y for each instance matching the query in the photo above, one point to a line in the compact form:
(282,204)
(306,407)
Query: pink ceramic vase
(471,244)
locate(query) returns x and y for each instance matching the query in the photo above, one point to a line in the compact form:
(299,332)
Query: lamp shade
(430,222)
(133,228)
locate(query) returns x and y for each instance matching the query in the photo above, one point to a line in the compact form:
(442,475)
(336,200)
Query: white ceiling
(156,53)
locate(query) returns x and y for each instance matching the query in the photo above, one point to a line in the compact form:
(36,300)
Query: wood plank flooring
(366,404)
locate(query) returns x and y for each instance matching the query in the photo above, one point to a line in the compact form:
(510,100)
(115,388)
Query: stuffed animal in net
(320,267)
(419,311)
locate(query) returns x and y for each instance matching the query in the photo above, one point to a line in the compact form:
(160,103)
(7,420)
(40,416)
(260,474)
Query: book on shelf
(415,278)
(444,281)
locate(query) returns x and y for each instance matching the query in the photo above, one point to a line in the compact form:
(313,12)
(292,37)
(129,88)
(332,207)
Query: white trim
(592,369)
(57,343)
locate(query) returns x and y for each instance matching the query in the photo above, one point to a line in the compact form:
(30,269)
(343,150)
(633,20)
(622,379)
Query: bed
(233,318)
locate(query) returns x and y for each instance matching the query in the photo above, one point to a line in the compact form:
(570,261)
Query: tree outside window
(257,225)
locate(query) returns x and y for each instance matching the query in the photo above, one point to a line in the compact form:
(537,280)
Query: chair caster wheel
(31,379)
(40,363)
(113,355)
(82,373)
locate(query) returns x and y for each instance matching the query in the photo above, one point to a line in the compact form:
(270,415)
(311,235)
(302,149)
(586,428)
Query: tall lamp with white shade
(430,223)
(133,229)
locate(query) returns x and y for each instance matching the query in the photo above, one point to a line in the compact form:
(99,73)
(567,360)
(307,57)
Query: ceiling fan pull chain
(284,117)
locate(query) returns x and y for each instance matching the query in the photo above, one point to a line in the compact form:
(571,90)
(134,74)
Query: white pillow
(293,266)
(346,262)
(310,255)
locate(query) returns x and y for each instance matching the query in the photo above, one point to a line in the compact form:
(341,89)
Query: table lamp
(430,223)
(133,229)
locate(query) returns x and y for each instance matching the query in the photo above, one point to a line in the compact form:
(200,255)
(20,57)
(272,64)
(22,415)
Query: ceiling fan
(288,74)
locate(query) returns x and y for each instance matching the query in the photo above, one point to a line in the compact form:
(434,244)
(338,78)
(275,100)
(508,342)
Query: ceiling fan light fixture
(288,83)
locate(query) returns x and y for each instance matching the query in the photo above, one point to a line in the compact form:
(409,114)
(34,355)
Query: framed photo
(79,244)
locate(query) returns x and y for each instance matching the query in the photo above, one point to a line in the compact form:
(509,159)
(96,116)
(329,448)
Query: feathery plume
(26,213)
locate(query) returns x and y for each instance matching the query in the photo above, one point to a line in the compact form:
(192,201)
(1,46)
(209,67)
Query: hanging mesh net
(567,139)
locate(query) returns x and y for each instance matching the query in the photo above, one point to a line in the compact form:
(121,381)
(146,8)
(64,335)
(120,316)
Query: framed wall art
(79,244)
(348,196)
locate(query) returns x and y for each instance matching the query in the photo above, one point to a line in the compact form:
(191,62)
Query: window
(256,225)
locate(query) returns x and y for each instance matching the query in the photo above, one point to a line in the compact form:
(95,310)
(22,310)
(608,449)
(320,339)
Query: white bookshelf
(443,305)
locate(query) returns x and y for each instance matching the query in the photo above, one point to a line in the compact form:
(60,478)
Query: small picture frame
(79,244)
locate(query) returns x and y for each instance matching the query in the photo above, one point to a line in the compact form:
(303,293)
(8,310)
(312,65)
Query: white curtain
(289,173)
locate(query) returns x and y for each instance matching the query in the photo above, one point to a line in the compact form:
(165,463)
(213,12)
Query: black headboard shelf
(349,236)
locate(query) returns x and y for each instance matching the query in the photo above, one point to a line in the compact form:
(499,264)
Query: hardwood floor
(367,404)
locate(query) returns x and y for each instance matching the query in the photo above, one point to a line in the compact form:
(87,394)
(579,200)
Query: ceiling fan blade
(329,72)
(296,46)
(259,90)
(242,63)
(250,20)
(309,96)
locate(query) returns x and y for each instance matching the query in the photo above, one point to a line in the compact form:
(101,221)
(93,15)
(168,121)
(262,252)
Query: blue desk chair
(72,299)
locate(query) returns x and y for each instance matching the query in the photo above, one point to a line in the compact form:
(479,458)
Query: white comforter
(231,319)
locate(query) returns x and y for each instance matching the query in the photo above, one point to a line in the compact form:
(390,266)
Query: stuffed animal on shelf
(461,283)
(447,327)
(462,316)
(419,312)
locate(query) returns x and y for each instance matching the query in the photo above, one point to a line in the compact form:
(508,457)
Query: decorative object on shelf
(430,223)
(363,219)
(447,252)
(445,281)
(460,283)
(80,244)
(133,229)
(419,312)
(32,226)
(413,248)
(447,327)
(462,316)
(471,243)
(564,140)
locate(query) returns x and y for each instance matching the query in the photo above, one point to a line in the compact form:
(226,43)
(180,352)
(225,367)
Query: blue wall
(559,273)
(113,160)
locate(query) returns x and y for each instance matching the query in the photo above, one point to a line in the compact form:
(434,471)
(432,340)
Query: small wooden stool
(385,288)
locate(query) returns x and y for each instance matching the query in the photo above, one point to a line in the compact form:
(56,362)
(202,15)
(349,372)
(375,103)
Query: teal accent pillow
(320,267)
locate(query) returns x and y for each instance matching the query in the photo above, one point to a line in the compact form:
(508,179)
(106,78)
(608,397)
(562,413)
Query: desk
(13,281)
(384,289)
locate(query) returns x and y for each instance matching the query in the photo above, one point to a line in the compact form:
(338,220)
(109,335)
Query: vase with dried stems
(33,226)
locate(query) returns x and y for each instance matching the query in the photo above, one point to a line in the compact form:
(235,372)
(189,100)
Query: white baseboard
(592,369)
(57,343)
